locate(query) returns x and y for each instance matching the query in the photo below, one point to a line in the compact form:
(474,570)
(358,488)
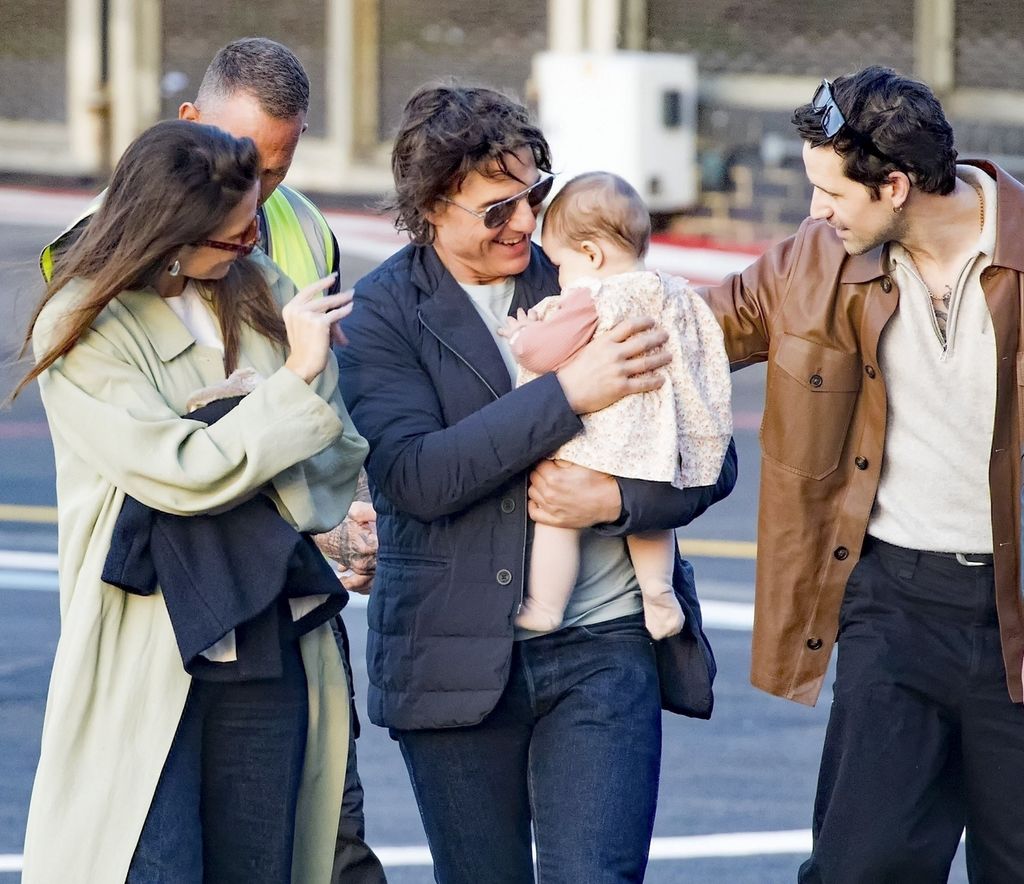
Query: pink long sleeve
(547,344)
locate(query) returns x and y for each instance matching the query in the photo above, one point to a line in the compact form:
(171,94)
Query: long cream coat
(118,686)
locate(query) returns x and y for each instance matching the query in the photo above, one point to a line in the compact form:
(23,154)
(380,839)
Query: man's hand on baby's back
(621,361)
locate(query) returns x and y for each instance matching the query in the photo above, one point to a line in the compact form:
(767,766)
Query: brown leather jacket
(816,314)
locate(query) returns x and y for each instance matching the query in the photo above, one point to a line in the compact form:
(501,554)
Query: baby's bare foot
(537,616)
(662,614)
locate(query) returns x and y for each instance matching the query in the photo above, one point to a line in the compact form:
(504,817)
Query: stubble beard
(894,231)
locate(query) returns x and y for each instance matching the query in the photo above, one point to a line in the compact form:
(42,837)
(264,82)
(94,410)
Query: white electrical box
(631,113)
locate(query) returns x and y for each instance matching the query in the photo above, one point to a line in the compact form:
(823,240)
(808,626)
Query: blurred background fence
(80,78)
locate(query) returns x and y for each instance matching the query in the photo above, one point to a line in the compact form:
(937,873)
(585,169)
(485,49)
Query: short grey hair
(265,69)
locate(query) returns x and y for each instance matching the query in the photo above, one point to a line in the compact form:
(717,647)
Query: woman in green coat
(160,296)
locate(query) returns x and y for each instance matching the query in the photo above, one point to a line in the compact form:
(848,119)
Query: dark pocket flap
(819,369)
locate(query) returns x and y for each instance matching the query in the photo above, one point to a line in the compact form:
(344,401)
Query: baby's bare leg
(554,563)
(653,557)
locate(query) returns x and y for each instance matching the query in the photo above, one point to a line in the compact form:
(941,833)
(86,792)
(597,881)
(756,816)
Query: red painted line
(754,250)
(47,191)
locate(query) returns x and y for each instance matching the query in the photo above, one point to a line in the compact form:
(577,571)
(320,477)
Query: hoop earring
(895,210)
(175,268)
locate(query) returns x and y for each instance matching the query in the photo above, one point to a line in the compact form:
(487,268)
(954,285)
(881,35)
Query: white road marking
(736,616)
(35,571)
(797,841)
(35,581)
(27,561)
(732,844)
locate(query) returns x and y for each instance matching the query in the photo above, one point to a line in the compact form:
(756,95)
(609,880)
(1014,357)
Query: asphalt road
(752,768)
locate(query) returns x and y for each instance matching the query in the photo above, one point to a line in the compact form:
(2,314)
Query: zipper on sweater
(954,301)
(526,507)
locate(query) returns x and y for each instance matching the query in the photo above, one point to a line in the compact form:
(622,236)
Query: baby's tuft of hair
(600,205)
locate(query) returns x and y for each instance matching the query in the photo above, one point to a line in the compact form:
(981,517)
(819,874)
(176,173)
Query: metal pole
(635,29)
(133,85)
(88,106)
(566,25)
(603,25)
(934,46)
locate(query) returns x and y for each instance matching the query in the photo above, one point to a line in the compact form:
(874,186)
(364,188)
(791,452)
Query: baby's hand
(514,323)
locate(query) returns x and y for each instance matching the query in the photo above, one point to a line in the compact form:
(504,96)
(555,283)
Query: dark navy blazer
(451,445)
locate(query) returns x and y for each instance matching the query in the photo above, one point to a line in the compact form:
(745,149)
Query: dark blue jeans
(923,738)
(573,745)
(224,809)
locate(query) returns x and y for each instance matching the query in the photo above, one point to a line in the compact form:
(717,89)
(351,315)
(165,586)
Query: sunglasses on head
(251,239)
(832,120)
(500,213)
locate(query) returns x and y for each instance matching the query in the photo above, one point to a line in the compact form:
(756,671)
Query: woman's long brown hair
(175,185)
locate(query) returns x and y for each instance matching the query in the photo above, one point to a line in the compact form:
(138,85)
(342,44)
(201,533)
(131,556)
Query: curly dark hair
(893,123)
(445,133)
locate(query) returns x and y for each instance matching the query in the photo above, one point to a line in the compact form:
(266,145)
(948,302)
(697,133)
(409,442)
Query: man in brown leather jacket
(891,483)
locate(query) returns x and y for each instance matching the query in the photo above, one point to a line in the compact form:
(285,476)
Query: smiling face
(862,223)
(208,262)
(275,138)
(475,254)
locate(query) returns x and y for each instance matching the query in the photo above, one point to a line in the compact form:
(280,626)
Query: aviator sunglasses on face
(832,120)
(500,213)
(250,239)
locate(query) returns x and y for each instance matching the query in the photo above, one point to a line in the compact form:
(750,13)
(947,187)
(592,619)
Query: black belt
(970,560)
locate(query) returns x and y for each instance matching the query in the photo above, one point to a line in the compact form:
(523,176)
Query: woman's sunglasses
(500,213)
(251,239)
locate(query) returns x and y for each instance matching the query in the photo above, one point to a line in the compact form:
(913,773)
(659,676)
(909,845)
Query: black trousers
(923,739)
(224,808)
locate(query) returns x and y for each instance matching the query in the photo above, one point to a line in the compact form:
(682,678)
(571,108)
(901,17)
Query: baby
(350,546)
(596,231)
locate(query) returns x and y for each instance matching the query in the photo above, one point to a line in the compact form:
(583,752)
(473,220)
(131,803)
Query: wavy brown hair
(893,123)
(175,185)
(447,132)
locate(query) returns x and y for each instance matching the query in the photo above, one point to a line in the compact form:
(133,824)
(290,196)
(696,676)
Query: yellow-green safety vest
(51,249)
(299,238)
(300,241)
